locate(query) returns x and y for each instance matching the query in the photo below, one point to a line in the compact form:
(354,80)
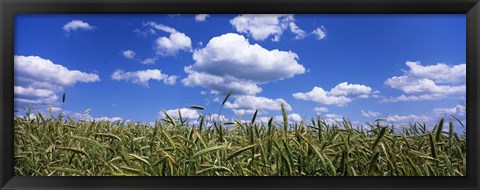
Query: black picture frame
(8,9)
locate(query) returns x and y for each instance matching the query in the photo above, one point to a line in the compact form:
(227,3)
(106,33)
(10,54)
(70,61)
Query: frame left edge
(6,94)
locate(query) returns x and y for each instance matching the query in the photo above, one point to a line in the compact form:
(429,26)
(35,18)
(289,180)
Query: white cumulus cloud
(458,110)
(40,69)
(331,119)
(412,85)
(370,113)
(77,25)
(440,72)
(29,91)
(320,33)
(201,17)
(247,104)
(174,43)
(216,117)
(428,82)
(129,54)
(407,119)
(142,77)
(39,80)
(320,109)
(404,98)
(186,113)
(168,46)
(111,119)
(292,118)
(230,62)
(148,61)
(262,26)
(351,90)
(340,95)
(299,33)
(243,111)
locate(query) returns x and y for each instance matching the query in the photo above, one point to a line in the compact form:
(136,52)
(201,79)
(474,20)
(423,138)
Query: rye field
(62,146)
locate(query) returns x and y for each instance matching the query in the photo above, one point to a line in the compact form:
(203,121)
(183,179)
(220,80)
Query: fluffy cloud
(317,94)
(39,80)
(187,113)
(340,95)
(220,70)
(148,61)
(403,98)
(54,109)
(111,119)
(201,17)
(216,117)
(161,27)
(40,100)
(129,54)
(174,43)
(458,110)
(219,84)
(248,104)
(370,113)
(320,109)
(262,26)
(32,95)
(351,90)
(440,72)
(243,111)
(77,25)
(292,118)
(320,33)
(177,41)
(299,33)
(331,119)
(407,119)
(428,82)
(142,77)
(412,85)
(85,116)
(32,91)
(430,118)
(81,116)
(40,69)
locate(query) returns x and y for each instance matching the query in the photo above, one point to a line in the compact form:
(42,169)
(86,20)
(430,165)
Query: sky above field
(402,68)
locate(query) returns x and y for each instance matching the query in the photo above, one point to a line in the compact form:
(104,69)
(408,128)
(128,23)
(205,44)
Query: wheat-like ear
(47,146)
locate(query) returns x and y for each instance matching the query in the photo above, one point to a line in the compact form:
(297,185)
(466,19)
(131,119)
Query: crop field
(301,95)
(61,146)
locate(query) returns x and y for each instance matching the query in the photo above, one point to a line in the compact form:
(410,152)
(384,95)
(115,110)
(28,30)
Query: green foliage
(49,146)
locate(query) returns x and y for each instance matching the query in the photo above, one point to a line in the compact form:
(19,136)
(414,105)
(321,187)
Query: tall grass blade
(439,130)
(254,116)
(197,107)
(239,151)
(206,150)
(379,137)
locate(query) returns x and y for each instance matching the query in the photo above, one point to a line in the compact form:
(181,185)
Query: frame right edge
(473,92)
(2,72)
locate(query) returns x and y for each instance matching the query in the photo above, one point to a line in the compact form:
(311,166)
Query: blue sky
(403,68)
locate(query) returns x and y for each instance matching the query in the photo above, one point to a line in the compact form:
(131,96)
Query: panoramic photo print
(240,95)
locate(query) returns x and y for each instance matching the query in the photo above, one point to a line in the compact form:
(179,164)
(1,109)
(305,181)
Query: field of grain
(60,146)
